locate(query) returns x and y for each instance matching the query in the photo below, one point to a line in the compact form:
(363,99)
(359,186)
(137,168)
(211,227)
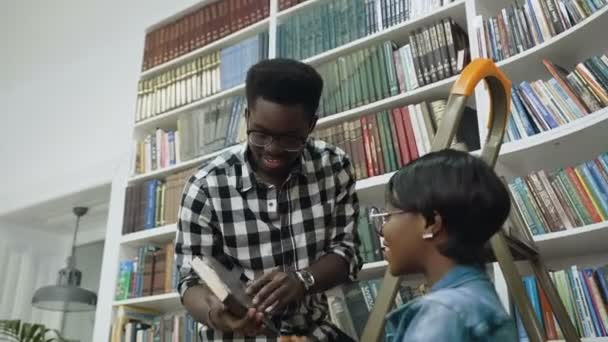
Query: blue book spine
(534,15)
(595,188)
(530,285)
(525,120)
(600,275)
(599,179)
(538,105)
(590,306)
(150,203)
(562,93)
(171,138)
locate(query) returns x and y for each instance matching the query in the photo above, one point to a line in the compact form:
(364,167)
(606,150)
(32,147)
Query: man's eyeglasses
(287,143)
(378,218)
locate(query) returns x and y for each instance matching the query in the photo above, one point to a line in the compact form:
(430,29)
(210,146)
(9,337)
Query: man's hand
(275,290)
(221,319)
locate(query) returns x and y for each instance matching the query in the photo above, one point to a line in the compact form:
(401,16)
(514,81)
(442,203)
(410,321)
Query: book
(227,286)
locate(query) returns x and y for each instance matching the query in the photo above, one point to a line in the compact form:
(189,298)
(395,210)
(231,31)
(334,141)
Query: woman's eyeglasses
(378,218)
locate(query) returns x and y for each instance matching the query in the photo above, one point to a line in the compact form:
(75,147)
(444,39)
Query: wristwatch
(306,278)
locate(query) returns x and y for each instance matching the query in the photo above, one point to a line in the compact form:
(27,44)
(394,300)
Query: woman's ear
(434,226)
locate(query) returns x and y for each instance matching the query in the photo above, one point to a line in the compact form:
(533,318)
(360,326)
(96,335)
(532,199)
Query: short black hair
(471,199)
(284,81)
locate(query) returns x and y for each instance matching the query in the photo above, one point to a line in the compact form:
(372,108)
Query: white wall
(68,80)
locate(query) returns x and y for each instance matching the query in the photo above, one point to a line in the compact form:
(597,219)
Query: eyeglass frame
(384,216)
(275,137)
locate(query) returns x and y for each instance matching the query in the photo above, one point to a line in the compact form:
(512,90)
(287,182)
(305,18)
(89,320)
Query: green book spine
(369,70)
(391,72)
(350,82)
(331,12)
(356,76)
(362,72)
(390,146)
(388,167)
(344,93)
(393,142)
(337,87)
(573,197)
(376,71)
(325,29)
(384,78)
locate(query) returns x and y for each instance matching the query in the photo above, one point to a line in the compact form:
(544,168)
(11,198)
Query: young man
(283,206)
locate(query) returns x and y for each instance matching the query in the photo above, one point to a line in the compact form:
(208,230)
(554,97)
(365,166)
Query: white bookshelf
(567,145)
(166,303)
(157,235)
(570,144)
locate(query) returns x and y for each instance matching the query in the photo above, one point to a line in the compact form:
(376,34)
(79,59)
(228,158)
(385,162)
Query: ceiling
(55,216)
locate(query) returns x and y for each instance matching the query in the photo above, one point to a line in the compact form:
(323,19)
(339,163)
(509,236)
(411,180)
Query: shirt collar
(457,276)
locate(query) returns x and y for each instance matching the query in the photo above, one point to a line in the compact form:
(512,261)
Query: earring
(427,235)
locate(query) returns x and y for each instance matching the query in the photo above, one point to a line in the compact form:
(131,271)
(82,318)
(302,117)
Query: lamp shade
(64,298)
(67,295)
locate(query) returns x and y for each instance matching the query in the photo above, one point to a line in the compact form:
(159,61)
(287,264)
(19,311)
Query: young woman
(442,209)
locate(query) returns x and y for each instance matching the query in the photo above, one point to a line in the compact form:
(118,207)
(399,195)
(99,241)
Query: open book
(227,286)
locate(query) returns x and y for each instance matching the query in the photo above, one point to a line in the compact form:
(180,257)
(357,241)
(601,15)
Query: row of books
(382,142)
(199,28)
(542,105)
(377,72)
(171,328)
(155,202)
(394,12)
(570,197)
(237,59)
(523,26)
(326,26)
(157,151)
(150,272)
(199,78)
(210,128)
(178,86)
(135,324)
(584,292)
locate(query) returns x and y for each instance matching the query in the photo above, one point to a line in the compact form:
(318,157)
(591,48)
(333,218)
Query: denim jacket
(461,306)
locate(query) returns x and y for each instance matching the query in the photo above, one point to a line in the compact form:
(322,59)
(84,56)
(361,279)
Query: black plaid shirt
(227,213)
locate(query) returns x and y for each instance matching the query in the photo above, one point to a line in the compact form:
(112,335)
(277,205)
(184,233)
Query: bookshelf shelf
(573,143)
(166,303)
(157,235)
(169,119)
(398,33)
(575,242)
(230,39)
(568,48)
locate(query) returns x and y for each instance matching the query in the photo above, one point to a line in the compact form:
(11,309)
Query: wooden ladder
(504,248)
